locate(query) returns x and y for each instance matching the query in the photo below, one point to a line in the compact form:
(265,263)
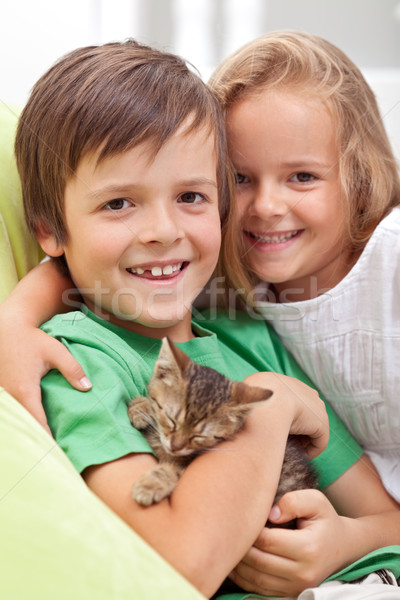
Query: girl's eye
(303,177)
(239,178)
(118,204)
(191,198)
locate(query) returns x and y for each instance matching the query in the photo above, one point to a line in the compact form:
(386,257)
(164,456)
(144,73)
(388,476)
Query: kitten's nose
(178,443)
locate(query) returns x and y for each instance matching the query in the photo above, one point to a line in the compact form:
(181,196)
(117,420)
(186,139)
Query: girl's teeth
(156,271)
(275,239)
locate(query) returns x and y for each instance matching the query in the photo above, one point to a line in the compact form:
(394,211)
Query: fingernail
(85,383)
(274,514)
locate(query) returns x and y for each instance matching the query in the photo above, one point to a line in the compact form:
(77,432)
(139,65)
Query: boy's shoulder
(82,328)
(242,326)
(76,323)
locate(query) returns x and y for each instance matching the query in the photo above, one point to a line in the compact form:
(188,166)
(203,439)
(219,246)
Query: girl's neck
(312,286)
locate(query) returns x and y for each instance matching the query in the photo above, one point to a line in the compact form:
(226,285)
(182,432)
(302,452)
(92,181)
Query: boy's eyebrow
(125,188)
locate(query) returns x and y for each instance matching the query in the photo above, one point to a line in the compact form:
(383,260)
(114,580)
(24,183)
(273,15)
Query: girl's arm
(27,353)
(285,561)
(224,496)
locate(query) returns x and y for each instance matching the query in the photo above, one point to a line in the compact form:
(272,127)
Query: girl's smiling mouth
(274,240)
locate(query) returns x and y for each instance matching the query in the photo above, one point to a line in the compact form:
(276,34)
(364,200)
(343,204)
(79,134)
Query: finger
(279,543)
(268,562)
(62,360)
(300,504)
(257,582)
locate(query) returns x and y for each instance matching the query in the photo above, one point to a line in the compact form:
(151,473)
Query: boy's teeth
(158,271)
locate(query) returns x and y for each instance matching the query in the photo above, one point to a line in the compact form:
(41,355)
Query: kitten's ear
(181,359)
(248,394)
(171,361)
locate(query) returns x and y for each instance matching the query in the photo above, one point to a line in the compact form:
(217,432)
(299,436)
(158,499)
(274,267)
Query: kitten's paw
(154,486)
(138,412)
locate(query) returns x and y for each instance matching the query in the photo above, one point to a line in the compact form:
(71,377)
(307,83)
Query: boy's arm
(290,561)
(221,501)
(26,353)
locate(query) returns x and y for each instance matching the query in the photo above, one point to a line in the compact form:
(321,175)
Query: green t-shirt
(94,428)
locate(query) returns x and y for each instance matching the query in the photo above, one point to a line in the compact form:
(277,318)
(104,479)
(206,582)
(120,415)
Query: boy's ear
(47,240)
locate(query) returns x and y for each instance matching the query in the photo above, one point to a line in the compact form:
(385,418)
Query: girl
(318,229)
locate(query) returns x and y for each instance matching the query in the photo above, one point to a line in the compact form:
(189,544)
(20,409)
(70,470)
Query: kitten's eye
(197,439)
(171,424)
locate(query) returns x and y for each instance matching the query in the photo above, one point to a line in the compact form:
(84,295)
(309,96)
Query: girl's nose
(268,202)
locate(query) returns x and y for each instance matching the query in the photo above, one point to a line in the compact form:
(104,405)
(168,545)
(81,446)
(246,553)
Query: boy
(121,153)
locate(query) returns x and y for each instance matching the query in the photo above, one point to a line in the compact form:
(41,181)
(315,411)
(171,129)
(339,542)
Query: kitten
(190,409)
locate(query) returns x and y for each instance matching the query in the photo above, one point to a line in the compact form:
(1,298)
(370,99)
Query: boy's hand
(26,357)
(284,561)
(310,419)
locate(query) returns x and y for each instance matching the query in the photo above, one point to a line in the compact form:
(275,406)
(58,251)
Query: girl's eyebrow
(306,162)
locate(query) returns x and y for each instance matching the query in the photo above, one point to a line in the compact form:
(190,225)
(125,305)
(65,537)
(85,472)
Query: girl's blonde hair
(313,66)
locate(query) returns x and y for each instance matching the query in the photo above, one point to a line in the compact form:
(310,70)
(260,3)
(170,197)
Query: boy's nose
(163,227)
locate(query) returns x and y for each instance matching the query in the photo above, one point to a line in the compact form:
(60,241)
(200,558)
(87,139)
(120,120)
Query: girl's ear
(47,241)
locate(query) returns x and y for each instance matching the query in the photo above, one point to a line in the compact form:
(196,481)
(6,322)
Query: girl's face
(290,199)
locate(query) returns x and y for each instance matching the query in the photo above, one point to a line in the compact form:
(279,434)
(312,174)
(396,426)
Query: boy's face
(144,233)
(289,194)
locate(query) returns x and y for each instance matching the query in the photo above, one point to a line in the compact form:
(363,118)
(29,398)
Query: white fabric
(370,588)
(348,342)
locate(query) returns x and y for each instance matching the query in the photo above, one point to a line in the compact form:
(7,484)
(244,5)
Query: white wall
(34,33)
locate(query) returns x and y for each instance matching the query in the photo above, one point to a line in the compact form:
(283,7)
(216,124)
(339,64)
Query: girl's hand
(26,352)
(284,562)
(310,419)
(26,355)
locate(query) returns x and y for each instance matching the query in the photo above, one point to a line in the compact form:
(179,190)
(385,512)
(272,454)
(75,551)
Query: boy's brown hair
(311,66)
(107,98)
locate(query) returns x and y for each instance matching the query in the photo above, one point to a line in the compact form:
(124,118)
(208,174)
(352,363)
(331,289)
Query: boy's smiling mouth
(165,271)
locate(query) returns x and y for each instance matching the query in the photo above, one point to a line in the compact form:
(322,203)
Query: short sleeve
(93,427)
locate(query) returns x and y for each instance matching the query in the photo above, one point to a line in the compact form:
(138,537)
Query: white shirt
(348,342)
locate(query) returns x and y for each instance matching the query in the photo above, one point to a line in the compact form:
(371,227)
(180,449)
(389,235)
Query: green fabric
(94,428)
(384,558)
(19,252)
(58,539)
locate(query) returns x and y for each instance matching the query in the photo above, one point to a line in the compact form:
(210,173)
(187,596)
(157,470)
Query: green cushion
(19,252)
(58,539)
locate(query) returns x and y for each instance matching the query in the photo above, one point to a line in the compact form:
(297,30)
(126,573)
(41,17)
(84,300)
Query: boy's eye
(118,204)
(303,177)
(239,178)
(191,198)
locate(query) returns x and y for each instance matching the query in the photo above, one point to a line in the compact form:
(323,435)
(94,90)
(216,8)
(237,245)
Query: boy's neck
(180,331)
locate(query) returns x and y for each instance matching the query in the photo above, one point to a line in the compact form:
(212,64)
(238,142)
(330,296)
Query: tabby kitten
(191,408)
